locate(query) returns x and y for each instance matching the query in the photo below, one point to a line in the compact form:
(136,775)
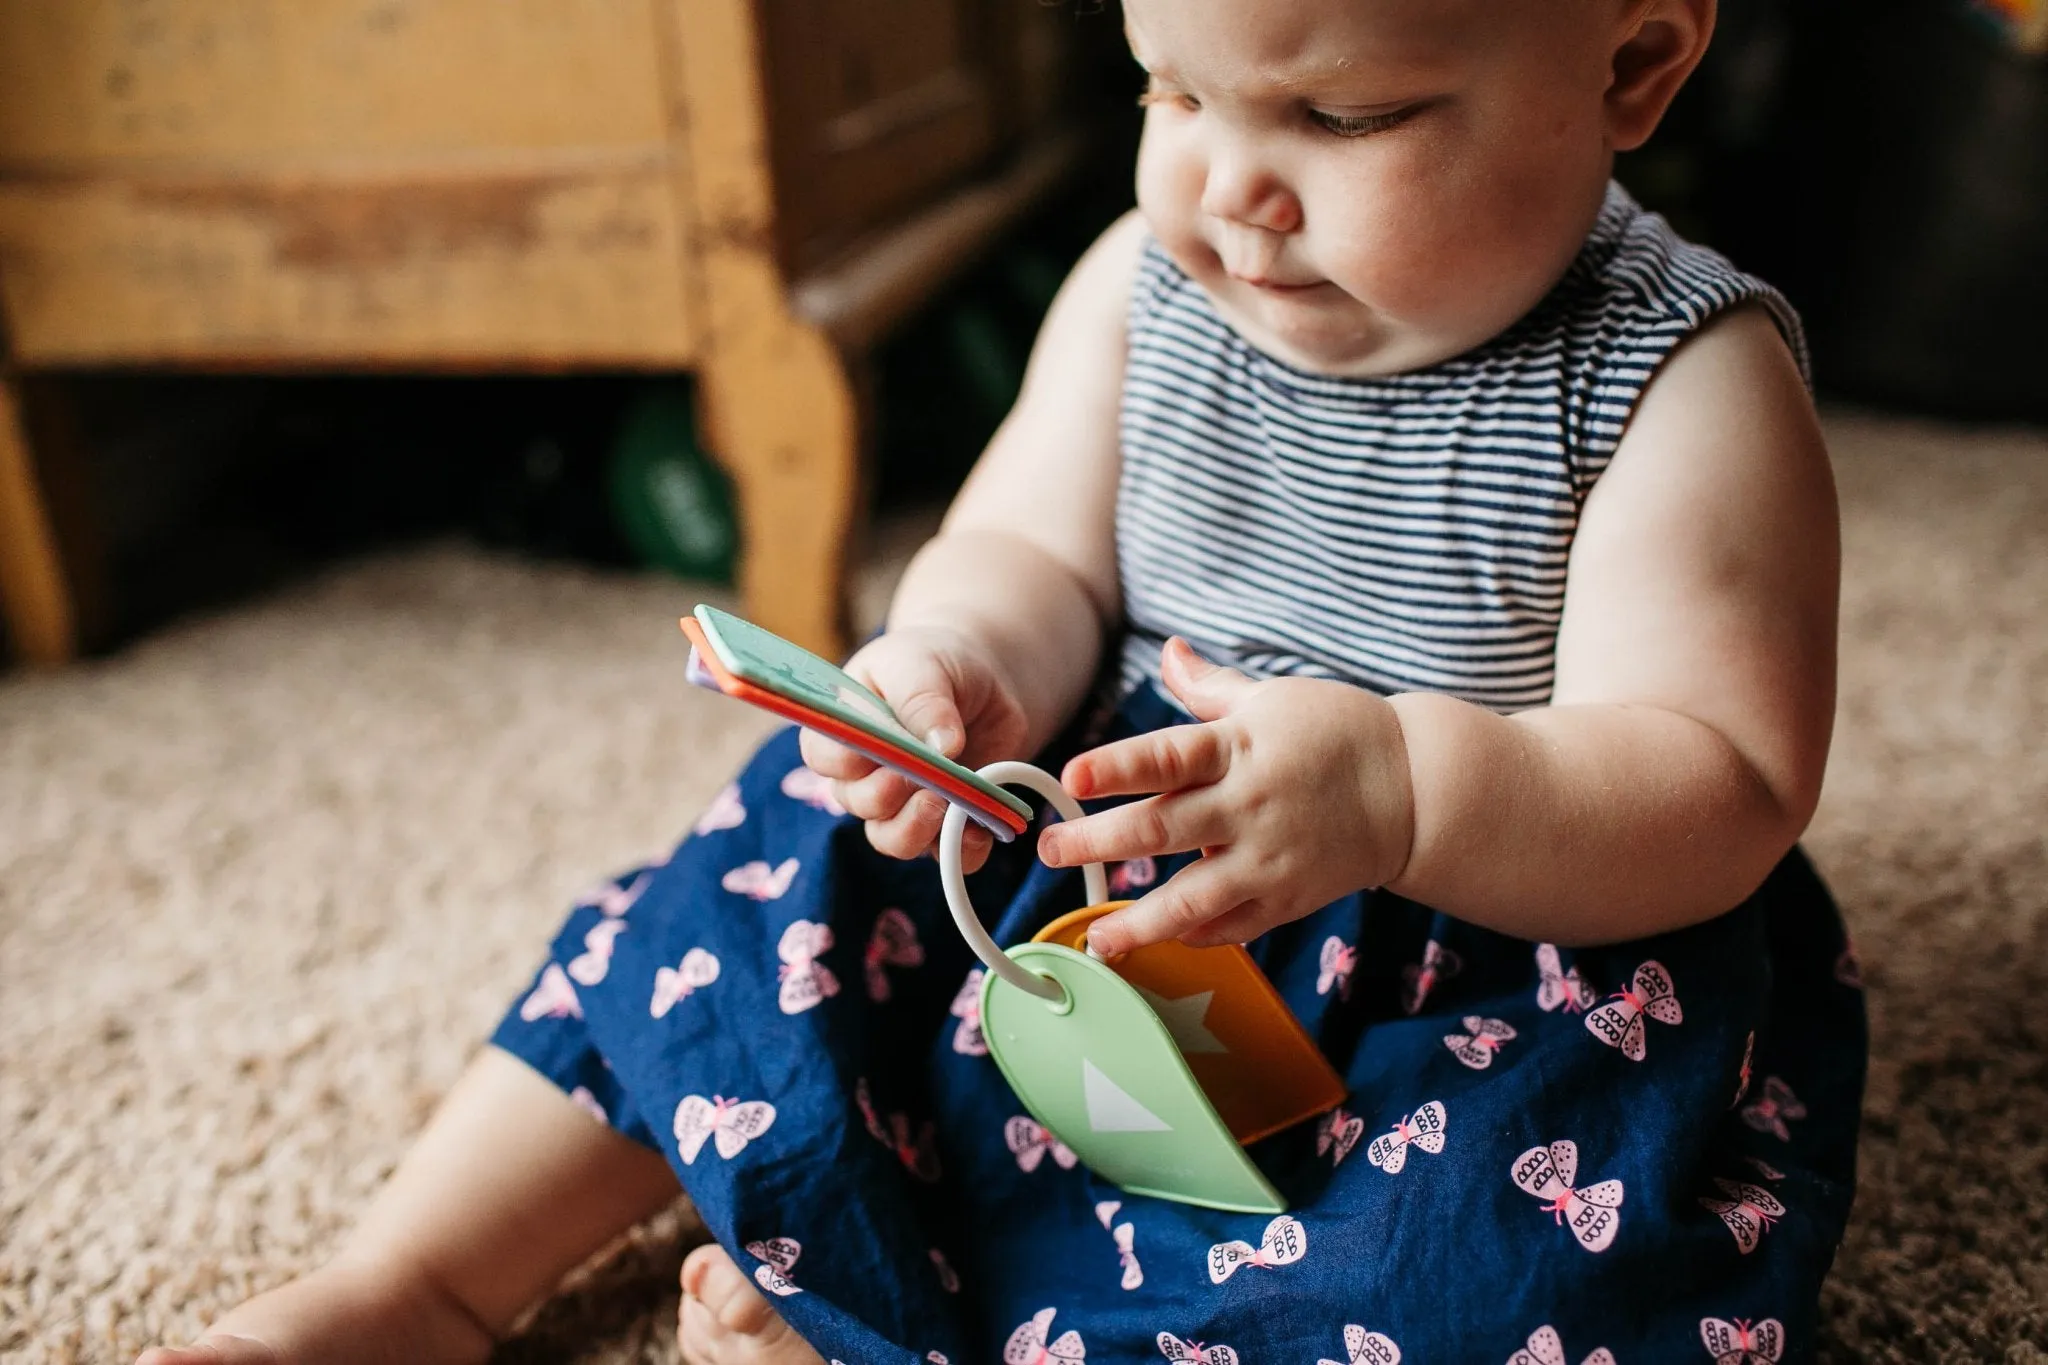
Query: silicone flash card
(752,665)
(1099,1069)
(1253,1059)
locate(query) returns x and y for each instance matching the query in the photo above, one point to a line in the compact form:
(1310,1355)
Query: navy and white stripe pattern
(1402,533)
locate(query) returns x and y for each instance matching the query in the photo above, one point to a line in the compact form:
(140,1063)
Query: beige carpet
(266,878)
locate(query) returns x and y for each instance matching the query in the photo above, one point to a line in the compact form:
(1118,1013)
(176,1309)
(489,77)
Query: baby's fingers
(1175,823)
(829,758)
(1166,760)
(1204,890)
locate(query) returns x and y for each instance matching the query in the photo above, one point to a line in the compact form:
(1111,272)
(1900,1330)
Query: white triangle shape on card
(1110,1107)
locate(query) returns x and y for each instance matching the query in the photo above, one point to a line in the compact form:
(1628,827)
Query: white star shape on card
(1186,1019)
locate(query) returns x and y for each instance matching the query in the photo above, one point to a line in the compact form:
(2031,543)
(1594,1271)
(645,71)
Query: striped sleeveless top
(1406,532)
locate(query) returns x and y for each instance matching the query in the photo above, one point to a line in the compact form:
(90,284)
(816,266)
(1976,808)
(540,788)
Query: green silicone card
(775,665)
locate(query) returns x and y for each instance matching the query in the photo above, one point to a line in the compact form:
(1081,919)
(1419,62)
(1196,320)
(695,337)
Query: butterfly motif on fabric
(813,789)
(919,1155)
(1748,1210)
(612,900)
(726,811)
(1619,1023)
(583,1099)
(1771,1111)
(966,1007)
(1418,979)
(1125,1235)
(806,982)
(1339,960)
(758,881)
(1366,1348)
(949,1279)
(1592,1212)
(1849,967)
(1131,874)
(590,966)
(1742,1342)
(1764,1168)
(729,1125)
(1480,1040)
(1031,1142)
(1547,1348)
(892,944)
(1337,1133)
(1742,1072)
(1194,1352)
(673,985)
(1284,1242)
(1105,1212)
(1422,1130)
(778,1257)
(1028,1345)
(552,997)
(1558,988)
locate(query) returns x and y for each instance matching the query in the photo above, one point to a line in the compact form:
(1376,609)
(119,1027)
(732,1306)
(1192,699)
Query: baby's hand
(944,686)
(1296,790)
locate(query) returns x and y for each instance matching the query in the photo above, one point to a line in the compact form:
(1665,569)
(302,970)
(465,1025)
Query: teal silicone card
(775,665)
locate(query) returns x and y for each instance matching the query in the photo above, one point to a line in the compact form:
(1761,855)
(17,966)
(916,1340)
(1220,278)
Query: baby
(1451,553)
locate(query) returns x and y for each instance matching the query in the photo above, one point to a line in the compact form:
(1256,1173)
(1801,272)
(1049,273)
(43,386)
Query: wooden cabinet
(752,192)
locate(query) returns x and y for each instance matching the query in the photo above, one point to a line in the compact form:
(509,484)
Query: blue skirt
(1646,1149)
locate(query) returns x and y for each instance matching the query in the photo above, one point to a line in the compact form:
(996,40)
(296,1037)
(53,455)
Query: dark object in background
(670,502)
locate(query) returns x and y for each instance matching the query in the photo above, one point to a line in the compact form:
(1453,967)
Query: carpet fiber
(266,878)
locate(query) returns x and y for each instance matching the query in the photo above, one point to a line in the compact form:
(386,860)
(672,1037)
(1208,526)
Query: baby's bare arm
(1026,560)
(1683,751)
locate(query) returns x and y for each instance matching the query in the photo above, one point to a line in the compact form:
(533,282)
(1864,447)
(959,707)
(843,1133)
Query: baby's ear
(1658,45)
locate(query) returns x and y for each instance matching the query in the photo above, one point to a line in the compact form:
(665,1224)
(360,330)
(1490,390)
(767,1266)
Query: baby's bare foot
(340,1315)
(725,1321)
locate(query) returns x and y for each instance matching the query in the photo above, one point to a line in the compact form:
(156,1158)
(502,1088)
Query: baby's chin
(1326,331)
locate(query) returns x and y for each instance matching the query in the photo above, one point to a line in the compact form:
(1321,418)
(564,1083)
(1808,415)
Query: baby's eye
(1156,93)
(1361,125)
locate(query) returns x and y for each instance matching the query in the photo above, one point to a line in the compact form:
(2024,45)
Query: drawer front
(575,264)
(98,79)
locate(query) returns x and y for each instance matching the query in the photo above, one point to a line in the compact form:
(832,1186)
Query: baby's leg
(511,1187)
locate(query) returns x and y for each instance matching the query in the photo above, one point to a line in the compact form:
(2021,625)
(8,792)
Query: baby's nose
(1241,189)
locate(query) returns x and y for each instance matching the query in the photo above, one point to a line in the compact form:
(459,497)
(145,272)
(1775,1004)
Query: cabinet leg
(784,421)
(39,592)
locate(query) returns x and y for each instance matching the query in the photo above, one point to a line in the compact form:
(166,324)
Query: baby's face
(1368,186)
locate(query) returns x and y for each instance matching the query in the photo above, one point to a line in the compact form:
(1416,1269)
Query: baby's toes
(724,1318)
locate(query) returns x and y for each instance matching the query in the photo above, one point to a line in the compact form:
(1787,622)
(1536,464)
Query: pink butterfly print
(920,1156)
(673,985)
(1619,1023)
(760,881)
(1194,1352)
(583,1099)
(966,1007)
(949,1279)
(1742,1075)
(590,966)
(726,811)
(1748,1210)
(1126,1237)
(1423,1130)
(1593,1213)
(1132,873)
(1337,1133)
(1366,1348)
(1849,967)
(1029,1142)
(1480,1040)
(614,900)
(1741,1343)
(778,1257)
(892,944)
(1418,979)
(1284,1242)
(1771,1111)
(1764,1168)
(1338,961)
(1546,1348)
(728,1124)
(806,982)
(1557,987)
(1027,1345)
(553,998)
(1105,1212)
(813,790)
